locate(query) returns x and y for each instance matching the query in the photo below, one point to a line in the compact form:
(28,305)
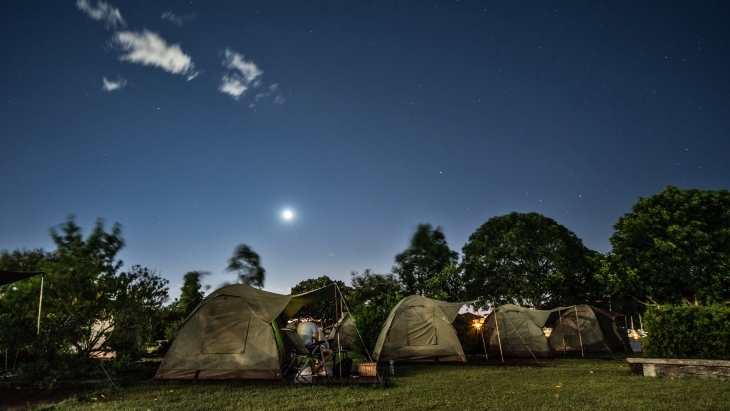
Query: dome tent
(235,333)
(586,328)
(516,331)
(420,329)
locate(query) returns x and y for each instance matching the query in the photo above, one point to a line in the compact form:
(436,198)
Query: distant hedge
(700,332)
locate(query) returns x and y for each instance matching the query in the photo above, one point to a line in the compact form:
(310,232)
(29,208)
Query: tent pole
(560,318)
(523,340)
(580,338)
(40,305)
(499,340)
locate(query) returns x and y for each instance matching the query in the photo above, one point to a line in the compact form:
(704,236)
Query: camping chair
(302,358)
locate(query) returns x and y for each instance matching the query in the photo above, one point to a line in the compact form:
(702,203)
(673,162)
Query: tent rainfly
(420,329)
(587,329)
(344,331)
(516,331)
(234,333)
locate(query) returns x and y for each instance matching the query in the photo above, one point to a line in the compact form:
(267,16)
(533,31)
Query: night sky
(197,124)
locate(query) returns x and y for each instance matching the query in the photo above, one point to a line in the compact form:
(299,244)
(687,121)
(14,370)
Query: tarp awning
(7,277)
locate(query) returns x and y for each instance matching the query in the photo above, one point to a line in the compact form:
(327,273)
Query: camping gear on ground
(583,328)
(420,329)
(367,369)
(236,332)
(515,331)
(342,368)
(304,359)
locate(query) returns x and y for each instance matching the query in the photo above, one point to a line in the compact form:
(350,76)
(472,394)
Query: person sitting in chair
(312,336)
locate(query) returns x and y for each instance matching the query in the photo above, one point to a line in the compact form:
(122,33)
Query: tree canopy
(427,256)
(247,264)
(673,247)
(526,259)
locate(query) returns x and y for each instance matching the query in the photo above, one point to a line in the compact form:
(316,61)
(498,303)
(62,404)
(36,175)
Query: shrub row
(699,332)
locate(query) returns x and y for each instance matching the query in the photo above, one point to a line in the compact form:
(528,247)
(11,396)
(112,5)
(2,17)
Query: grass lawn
(563,384)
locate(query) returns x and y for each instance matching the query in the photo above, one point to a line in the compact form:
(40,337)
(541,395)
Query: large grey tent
(235,333)
(420,329)
(518,331)
(587,329)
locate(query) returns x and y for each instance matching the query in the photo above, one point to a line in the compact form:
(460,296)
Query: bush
(369,320)
(688,332)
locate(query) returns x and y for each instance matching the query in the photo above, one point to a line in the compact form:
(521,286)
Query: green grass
(565,384)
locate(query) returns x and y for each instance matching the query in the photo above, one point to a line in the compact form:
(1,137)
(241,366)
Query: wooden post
(40,304)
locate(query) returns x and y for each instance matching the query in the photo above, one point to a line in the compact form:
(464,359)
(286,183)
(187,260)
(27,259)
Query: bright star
(287,214)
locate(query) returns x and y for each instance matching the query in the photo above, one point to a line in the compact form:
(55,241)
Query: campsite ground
(555,384)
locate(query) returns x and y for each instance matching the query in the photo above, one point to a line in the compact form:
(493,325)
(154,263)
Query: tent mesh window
(226,326)
(421,329)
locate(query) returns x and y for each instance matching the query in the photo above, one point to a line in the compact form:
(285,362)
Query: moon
(288,215)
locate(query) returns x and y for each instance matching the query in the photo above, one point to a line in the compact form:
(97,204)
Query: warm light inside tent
(547,331)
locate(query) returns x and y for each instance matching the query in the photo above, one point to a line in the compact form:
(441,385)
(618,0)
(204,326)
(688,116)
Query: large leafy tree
(373,296)
(427,256)
(138,298)
(673,247)
(371,288)
(323,310)
(247,264)
(527,259)
(82,285)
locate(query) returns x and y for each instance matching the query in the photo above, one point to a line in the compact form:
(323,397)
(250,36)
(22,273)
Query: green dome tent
(234,333)
(516,331)
(420,329)
(586,328)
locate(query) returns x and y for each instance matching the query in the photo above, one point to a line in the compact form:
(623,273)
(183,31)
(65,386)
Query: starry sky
(197,124)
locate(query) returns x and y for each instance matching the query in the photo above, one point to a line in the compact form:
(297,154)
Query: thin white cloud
(244,75)
(175,19)
(150,49)
(102,12)
(272,89)
(110,85)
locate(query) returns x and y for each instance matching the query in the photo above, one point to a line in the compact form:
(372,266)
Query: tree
(370,288)
(526,259)
(191,292)
(82,285)
(22,260)
(426,257)
(323,310)
(673,247)
(139,295)
(247,264)
(372,298)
